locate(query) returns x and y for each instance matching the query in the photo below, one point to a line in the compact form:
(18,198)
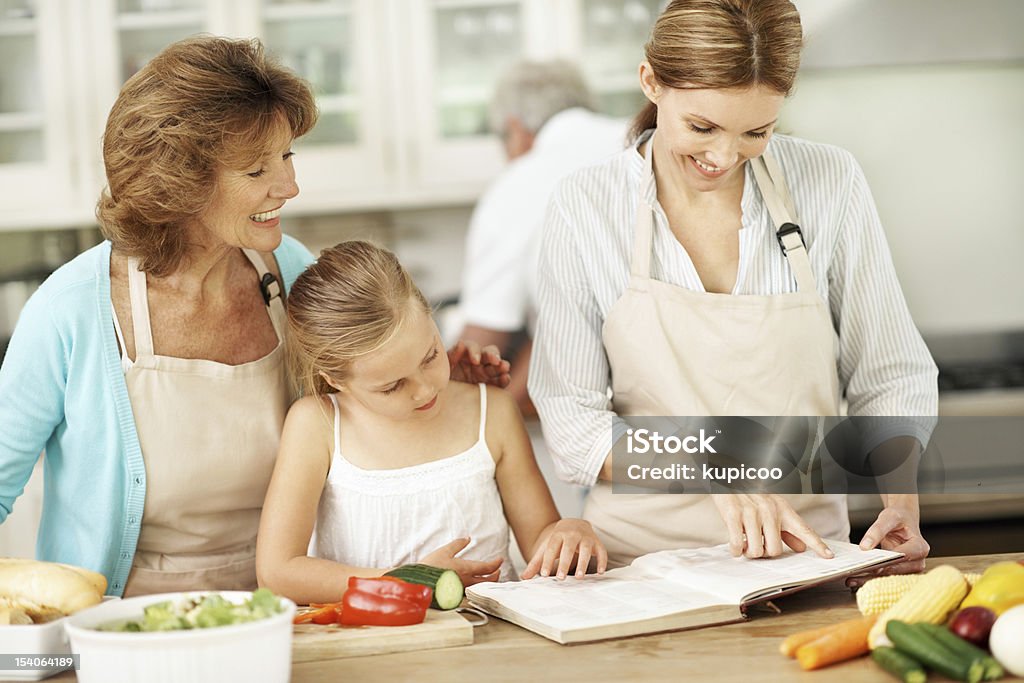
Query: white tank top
(385,518)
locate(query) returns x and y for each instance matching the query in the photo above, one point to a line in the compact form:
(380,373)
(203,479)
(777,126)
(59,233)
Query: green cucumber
(992,670)
(904,667)
(448,590)
(919,644)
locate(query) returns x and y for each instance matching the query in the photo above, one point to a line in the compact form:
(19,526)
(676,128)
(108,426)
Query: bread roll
(44,589)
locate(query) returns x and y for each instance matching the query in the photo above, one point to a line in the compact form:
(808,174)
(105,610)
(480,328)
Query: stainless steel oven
(980,374)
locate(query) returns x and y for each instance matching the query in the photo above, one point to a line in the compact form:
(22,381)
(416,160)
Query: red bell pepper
(368,609)
(392,587)
(384,601)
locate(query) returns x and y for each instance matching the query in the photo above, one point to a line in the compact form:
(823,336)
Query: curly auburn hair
(203,104)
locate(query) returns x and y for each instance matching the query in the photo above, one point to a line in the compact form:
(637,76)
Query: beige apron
(674,351)
(209,434)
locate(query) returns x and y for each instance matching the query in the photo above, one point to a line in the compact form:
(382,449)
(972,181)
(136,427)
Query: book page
(619,596)
(738,579)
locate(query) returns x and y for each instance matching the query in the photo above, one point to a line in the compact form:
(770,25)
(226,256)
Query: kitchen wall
(941,148)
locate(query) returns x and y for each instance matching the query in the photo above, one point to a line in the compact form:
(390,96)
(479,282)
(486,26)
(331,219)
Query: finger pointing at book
(759,525)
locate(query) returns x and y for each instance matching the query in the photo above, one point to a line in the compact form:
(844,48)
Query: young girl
(384,462)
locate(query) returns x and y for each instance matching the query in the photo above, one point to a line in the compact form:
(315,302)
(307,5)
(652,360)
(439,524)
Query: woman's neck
(207,271)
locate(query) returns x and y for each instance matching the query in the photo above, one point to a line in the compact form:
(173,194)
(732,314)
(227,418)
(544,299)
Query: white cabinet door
(36,159)
(121,36)
(334,44)
(453,56)
(608,38)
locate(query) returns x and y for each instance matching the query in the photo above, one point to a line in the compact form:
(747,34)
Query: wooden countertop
(737,652)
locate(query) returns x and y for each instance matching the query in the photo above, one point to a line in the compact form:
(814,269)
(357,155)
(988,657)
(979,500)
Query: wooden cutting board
(311,642)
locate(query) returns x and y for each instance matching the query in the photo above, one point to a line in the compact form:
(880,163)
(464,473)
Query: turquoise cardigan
(62,388)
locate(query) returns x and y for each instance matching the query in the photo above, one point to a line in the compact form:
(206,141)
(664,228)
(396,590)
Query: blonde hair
(722,44)
(202,104)
(350,302)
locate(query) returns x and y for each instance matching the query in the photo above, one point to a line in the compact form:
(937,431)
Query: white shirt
(583,268)
(391,517)
(498,289)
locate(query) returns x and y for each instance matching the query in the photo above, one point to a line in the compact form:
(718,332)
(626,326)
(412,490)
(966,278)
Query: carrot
(792,643)
(846,640)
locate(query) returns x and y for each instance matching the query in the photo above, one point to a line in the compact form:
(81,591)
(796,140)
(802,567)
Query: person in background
(385,462)
(715,267)
(151,367)
(544,113)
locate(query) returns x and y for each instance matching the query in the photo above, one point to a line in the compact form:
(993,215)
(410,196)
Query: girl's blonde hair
(722,44)
(202,104)
(350,302)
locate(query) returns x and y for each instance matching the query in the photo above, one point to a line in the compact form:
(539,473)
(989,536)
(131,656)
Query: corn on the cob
(931,599)
(882,592)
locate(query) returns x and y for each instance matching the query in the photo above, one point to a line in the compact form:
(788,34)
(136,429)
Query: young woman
(669,280)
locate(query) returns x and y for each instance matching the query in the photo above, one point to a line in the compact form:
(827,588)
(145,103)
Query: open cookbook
(665,591)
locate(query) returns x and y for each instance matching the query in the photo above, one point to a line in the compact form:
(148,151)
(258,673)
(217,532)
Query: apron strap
(272,290)
(643,230)
(137,294)
(775,192)
(779,180)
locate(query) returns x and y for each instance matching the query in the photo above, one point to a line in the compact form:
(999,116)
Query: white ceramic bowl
(254,651)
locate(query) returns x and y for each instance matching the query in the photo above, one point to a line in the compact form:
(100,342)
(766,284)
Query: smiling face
(246,204)
(706,135)
(406,377)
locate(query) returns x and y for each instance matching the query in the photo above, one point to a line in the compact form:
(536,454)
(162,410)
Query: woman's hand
(473,364)
(470,571)
(897,528)
(759,524)
(567,539)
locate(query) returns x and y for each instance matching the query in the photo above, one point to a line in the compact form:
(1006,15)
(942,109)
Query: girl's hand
(760,523)
(566,539)
(472,364)
(470,571)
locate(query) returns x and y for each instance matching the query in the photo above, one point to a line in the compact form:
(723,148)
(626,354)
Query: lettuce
(210,611)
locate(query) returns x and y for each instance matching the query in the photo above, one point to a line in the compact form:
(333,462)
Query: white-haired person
(544,112)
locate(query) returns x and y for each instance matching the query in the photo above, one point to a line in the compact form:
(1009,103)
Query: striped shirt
(883,365)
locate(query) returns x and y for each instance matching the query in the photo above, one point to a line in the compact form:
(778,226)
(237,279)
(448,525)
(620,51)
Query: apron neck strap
(643,229)
(270,285)
(775,192)
(137,294)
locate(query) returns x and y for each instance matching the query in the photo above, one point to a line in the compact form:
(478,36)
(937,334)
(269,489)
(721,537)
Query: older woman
(151,366)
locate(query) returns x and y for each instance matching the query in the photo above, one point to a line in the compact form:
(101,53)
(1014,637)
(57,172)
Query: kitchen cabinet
(37,180)
(403,88)
(607,37)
